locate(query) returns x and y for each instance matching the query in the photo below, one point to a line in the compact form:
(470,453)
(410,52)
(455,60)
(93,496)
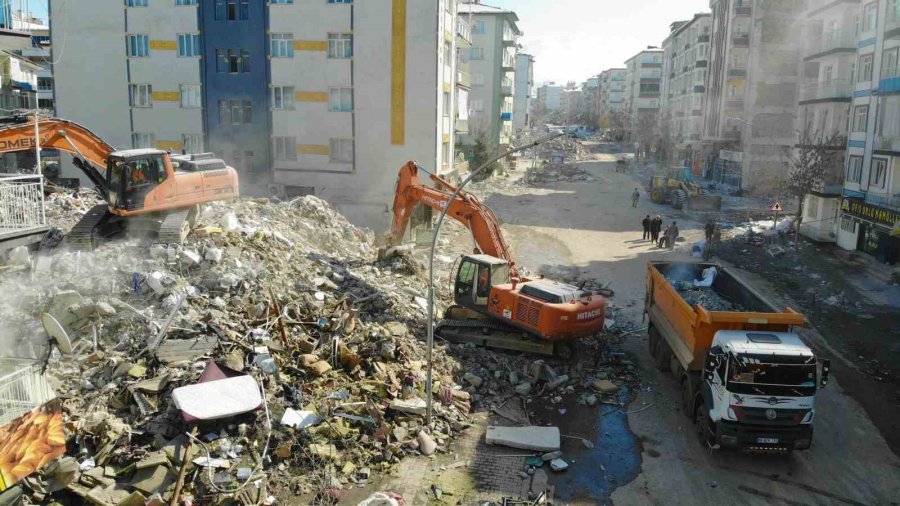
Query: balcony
(734,103)
(702,64)
(462,126)
(890,80)
(889,201)
(699,88)
(887,143)
(830,42)
(740,40)
(742,10)
(506,116)
(463,31)
(506,89)
(509,63)
(703,38)
(464,79)
(738,70)
(836,89)
(892,26)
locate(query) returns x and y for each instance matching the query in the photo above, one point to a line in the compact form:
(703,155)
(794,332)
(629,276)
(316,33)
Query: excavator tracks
(495,334)
(175,227)
(85,235)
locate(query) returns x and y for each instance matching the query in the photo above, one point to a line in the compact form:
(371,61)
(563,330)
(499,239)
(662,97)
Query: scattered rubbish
(558,465)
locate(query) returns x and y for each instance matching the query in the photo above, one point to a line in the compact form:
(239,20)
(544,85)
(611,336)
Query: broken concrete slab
(173,351)
(151,480)
(605,387)
(544,439)
(218,399)
(412,406)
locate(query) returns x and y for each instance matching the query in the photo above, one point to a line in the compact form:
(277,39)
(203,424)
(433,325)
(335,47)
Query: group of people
(653,228)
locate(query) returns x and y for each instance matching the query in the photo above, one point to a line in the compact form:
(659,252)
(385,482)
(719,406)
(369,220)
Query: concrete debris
(544,439)
(558,465)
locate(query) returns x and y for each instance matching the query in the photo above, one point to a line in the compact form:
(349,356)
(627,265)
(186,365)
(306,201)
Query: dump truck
(748,381)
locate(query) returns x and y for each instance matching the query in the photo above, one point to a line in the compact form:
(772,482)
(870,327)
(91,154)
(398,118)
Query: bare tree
(812,166)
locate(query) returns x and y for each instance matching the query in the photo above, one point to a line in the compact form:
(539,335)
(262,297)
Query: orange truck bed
(689,330)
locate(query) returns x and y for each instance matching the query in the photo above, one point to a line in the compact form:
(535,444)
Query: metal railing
(890,71)
(21,203)
(22,388)
(836,88)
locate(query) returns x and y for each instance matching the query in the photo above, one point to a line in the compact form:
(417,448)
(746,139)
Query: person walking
(672,233)
(709,229)
(634,197)
(646,224)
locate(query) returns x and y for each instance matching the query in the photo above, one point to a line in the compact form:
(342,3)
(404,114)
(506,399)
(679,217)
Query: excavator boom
(54,133)
(465,208)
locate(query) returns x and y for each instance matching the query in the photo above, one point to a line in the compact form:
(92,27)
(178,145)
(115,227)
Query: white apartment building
(870,205)
(643,78)
(326,98)
(524,89)
(686,55)
(612,93)
(493,65)
(827,69)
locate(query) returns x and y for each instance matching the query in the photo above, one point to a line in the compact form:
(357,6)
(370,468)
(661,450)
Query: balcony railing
(740,40)
(887,143)
(890,71)
(464,79)
(701,64)
(836,88)
(21,204)
(839,39)
(737,70)
(889,201)
(462,126)
(742,10)
(506,89)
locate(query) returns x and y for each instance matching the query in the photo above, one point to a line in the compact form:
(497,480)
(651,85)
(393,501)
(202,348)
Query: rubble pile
(64,208)
(269,355)
(706,297)
(561,172)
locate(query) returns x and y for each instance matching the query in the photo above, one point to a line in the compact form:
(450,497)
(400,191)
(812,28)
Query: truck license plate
(767,440)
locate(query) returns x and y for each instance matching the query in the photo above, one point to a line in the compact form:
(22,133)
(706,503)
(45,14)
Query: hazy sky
(574,39)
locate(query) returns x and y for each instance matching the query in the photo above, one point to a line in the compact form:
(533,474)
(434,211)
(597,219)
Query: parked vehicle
(747,379)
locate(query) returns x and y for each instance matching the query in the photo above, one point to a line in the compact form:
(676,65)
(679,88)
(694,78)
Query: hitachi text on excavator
(494,305)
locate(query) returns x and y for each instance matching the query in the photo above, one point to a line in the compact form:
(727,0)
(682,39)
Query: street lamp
(429,342)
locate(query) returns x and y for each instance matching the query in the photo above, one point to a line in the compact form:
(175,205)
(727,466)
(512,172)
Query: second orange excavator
(145,189)
(494,305)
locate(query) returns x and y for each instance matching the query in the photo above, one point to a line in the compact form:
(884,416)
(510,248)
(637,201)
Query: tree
(483,150)
(812,164)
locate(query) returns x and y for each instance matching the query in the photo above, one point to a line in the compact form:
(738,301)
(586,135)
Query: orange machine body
(162,188)
(548,309)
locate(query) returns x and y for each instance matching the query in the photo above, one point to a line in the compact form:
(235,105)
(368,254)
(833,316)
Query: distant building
(686,55)
(611,92)
(643,77)
(524,89)
(590,95)
(549,97)
(493,63)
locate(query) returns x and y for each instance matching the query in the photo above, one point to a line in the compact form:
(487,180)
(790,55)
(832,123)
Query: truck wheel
(687,396)
(663,355)
(703,425)
(652,341)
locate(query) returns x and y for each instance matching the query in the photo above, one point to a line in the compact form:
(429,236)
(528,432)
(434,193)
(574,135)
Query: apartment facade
(281,90)
(828,68)
(493,64)
(590,97)
(612,94)
(549,97)
(643,80)
(686,56)
(870,204)
(524,90)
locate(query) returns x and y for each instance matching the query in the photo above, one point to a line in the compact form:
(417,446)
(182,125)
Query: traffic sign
(777,207)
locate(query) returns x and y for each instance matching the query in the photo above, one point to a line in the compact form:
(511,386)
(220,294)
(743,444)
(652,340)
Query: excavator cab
(133,175)
(476,275)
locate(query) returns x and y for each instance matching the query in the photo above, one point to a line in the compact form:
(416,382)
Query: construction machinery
(146,190)
(494,305)
(675,189)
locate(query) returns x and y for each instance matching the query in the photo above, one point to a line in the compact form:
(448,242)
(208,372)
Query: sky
(572,40)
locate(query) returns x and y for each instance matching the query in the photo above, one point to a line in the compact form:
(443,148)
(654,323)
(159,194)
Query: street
(592,226)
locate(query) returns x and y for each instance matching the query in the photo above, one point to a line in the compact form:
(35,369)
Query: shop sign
(879,215)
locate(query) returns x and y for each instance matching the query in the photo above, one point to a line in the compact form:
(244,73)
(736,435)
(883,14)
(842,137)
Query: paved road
(593,226)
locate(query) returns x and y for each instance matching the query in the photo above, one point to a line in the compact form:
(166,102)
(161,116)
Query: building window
(341,99)
(136,3)
(232,61)
(889,62)
(189,44)
(342,150)
(284,149)
(848,225)
(865,68)
(893,10)
(138,46)
(281,1)
(478,105)
(649,87)
(192,143)
(445,153)
(340,45)
(232,10)
(447,103)
(854,169)
(870,16)
(448,54)
(235,112)
(478,79)
(479,27)
(476,53)
(877,174)
(190,96)
(141,95)
(45,83)
(282,45)
(860,118)
(283,98)
(185,2)
(143,141)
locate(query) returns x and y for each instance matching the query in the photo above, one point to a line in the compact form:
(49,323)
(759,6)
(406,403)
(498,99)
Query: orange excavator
(494,305)
(145,189)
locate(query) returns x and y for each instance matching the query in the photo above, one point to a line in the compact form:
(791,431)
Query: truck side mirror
(826,368)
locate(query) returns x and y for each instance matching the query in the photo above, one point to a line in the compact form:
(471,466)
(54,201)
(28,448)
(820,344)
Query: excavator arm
(89,149)
(465,208)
